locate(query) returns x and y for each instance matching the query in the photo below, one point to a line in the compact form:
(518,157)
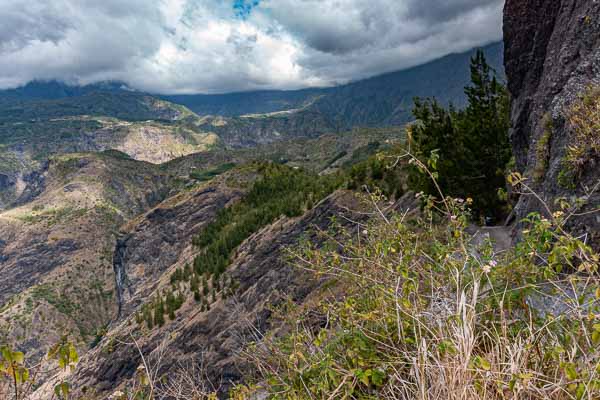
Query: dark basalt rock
(35,185)
(552,54)
(157,241)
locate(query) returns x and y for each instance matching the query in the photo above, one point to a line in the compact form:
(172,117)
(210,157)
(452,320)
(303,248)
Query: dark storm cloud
(352,39)
(187,46)
(440,11)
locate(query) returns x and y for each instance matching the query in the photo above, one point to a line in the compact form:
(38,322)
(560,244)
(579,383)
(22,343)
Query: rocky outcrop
(552,55)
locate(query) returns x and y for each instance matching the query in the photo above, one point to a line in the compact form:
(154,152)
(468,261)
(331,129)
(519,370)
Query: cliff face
(552,56)
(159,239)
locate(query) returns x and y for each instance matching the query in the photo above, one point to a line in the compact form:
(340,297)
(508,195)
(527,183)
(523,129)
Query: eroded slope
(56,270)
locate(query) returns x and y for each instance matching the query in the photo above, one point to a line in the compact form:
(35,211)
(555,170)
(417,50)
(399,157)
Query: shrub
(583,118)
(18,374)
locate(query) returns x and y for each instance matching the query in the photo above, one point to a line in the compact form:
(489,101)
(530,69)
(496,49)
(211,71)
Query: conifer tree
(148,318)
(471,145)
(159,313)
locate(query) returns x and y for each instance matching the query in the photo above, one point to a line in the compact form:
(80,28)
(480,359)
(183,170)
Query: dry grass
(584,120)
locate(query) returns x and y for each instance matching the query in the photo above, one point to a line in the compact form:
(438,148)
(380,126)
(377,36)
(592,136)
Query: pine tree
(148,318)
(159,313)
(471,145)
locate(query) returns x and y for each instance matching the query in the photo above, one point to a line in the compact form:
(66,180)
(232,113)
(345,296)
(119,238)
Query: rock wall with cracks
(552,56)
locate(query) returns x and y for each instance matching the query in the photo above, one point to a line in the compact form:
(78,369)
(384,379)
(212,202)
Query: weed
(542,149)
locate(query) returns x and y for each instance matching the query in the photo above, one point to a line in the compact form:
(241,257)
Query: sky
(219,46)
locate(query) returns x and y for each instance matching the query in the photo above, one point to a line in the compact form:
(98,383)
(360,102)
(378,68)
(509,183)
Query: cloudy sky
(212,46)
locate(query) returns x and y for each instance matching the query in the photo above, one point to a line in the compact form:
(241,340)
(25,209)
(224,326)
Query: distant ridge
(54,90)
(379,101)
(382,100)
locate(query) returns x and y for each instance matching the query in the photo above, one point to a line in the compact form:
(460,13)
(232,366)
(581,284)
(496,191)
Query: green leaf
(595,337)
(482,363)
(571,371)
(378,377)
(18,357)
(580,391)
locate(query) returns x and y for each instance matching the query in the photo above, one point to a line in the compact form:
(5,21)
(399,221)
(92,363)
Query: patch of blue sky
(243,8)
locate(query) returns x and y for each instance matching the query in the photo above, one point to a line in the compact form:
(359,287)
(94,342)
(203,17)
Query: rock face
(552,56)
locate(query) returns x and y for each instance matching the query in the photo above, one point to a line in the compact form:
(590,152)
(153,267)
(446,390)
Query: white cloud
(191,46)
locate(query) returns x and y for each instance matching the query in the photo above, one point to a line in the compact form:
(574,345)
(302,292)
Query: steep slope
(56,270)
(153,243)
(79,252)
(265,281)
(547,75)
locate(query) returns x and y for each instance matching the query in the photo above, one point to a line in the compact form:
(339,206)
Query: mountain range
(43,119)
(377,101)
